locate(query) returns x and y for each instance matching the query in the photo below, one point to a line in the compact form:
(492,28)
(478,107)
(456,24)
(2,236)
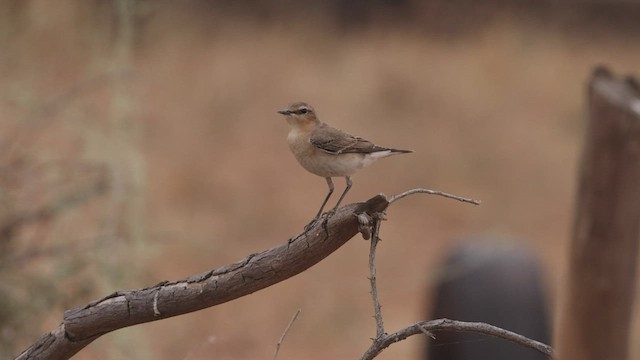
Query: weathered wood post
(596,313)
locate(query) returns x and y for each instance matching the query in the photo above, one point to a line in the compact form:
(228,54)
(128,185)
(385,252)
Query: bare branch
(432,192)
(286,330)
(377,308)
(383,340)
(82,325)
(421,327)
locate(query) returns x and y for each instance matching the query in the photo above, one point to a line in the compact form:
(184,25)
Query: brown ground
(185,129)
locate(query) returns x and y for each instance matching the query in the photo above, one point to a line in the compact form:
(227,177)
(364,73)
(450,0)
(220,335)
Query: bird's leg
(333,211)
(330,183)
(346,190)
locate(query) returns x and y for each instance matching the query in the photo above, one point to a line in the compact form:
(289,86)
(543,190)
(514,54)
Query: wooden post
(596,314)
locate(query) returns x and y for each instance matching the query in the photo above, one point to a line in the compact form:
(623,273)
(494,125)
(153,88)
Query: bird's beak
(284,111)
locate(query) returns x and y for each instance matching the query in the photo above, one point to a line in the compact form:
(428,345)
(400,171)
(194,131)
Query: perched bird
(327,151)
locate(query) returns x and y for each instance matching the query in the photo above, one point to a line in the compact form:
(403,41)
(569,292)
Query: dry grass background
(176,110)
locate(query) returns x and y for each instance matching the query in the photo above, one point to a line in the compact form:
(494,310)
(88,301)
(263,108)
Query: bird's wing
(334,141)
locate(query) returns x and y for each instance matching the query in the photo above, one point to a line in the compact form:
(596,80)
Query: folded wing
(334,141)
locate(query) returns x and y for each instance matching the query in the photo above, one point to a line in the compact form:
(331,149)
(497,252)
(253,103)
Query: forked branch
(84,324)
(384,340)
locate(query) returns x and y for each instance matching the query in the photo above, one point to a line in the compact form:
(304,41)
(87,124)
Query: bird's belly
(327,165)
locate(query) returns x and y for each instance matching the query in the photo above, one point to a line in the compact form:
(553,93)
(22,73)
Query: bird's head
(299,114)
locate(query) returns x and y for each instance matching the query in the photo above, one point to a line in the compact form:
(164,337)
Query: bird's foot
(325,221)
(312,223)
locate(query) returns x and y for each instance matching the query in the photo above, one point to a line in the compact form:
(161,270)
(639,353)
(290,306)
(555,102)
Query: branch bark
(82,325)
(425,327)
(604,250)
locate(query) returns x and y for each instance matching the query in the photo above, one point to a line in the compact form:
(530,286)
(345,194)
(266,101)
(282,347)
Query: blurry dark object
(497,284)
(440,18)
(604,248)
(435,17)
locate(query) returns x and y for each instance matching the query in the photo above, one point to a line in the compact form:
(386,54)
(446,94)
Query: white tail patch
(372,157)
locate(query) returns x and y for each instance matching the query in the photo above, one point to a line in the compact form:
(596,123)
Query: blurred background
(139,142)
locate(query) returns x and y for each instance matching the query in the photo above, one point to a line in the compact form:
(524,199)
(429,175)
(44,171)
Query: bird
(329,152)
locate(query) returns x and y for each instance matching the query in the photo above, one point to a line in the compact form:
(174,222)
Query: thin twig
(383,340)
(452,325)
(286,330)
(377,308)
(424,331)
(432,192)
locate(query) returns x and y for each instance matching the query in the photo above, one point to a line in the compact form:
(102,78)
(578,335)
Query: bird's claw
(325,221)
(311,223)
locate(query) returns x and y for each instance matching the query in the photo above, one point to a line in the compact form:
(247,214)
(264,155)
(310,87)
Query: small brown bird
(327,151)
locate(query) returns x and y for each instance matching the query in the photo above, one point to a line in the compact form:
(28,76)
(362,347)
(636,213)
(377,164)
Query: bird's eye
(303,111)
